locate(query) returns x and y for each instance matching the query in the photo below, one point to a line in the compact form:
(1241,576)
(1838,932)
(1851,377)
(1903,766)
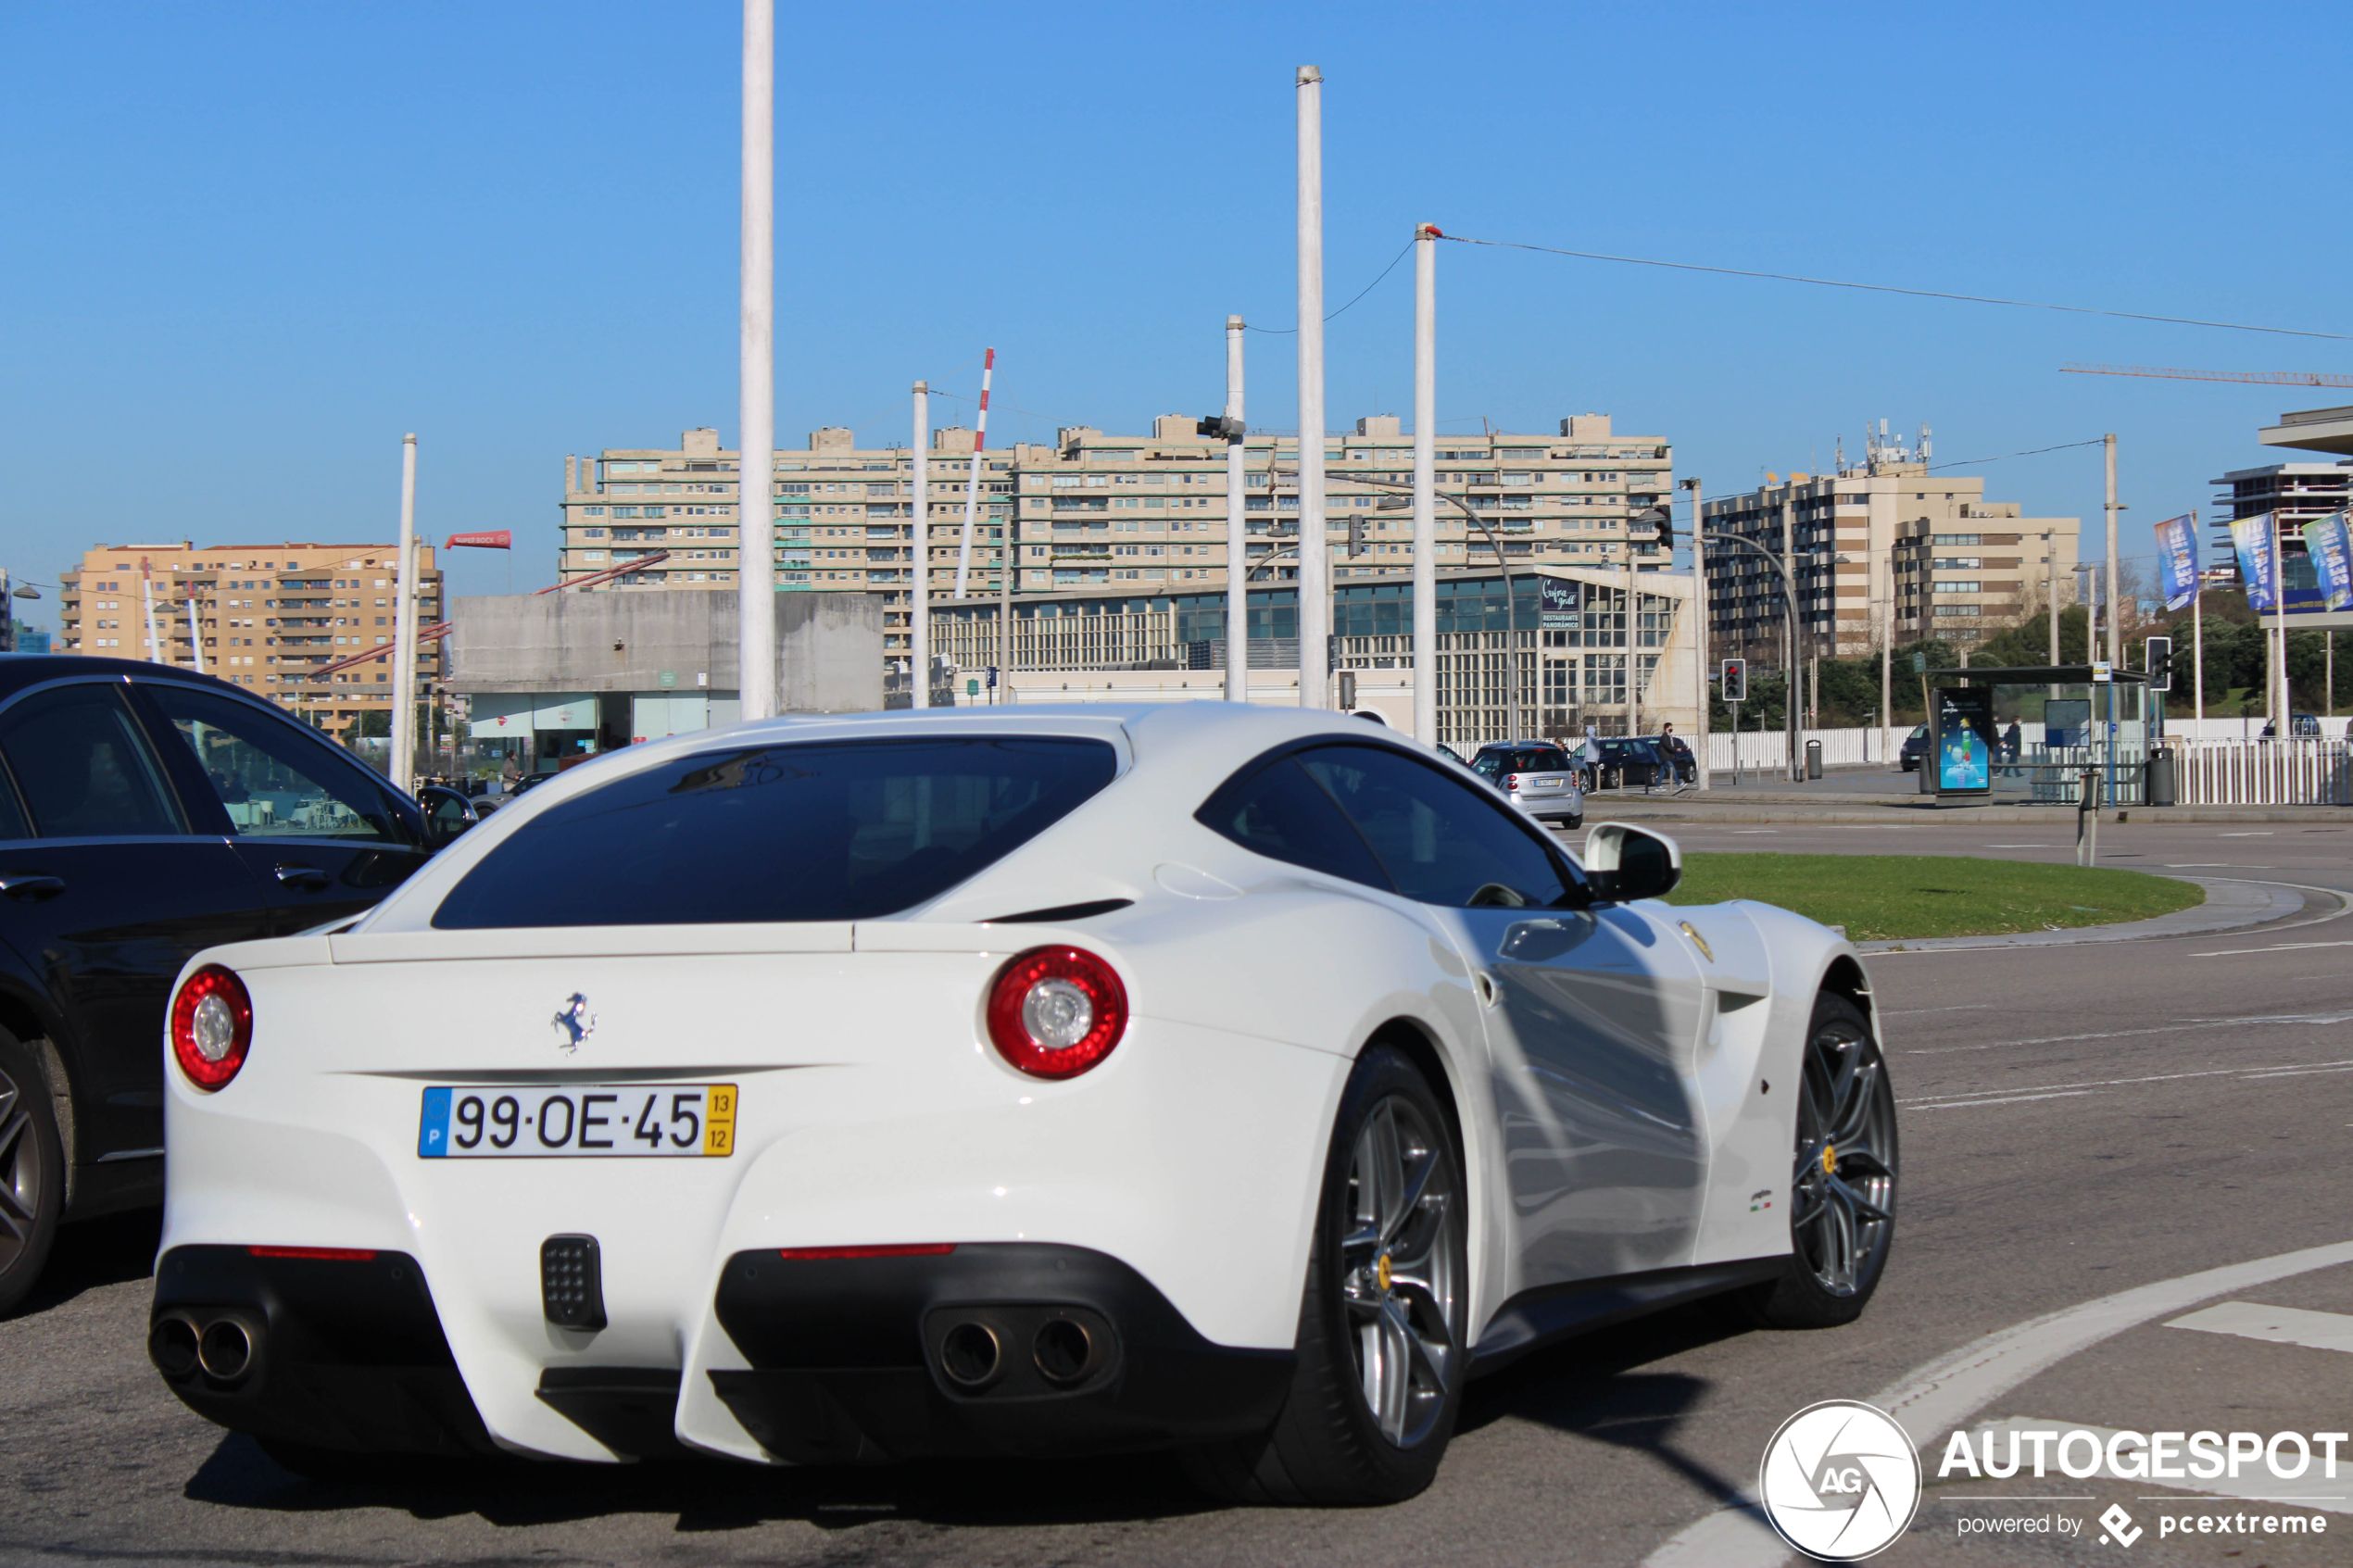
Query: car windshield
(819,830)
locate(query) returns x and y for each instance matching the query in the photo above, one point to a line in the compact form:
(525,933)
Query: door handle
(30,885)
(307,879)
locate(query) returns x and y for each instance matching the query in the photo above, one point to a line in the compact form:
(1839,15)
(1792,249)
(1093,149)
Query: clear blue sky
(247,246)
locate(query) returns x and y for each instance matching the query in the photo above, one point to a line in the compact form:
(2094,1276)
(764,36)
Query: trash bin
(1813,759)
(1927,770)
(2157,782)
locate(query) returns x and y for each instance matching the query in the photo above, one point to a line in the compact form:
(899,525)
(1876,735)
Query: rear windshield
(821,831)
(1537,758)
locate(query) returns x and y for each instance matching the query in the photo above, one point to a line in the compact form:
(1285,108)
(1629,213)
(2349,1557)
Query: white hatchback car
(1035,1080)
(1537,776)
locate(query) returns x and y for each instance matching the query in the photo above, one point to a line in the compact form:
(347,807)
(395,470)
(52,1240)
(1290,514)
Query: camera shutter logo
(1840,1480)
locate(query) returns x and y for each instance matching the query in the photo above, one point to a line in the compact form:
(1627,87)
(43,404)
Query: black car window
(817,831)
(1541,759)
(84,769)
(1280,813)
(1440,841)
(12,822)
(274,779)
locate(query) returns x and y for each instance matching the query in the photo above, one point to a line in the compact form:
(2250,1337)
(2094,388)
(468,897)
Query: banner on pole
(2259,567)
(500,539)
(2329,541)
(2177,560)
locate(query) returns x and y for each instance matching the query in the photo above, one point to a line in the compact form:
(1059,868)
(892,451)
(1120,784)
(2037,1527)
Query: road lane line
(2128,1034)
(1972,1104)
(1940,1395)
(2279,948)
(2277,1325)
(1928,1101)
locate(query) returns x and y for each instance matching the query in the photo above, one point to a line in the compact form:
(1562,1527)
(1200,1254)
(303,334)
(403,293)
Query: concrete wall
(829,646)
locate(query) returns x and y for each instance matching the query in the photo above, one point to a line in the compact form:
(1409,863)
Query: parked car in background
(1536,776)
(1630,761)
(1914,747)
(146,812)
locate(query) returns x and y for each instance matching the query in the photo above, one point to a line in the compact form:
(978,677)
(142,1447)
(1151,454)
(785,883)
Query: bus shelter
(2026,735)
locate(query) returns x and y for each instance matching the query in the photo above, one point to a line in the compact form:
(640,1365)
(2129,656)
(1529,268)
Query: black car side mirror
(447,814)
(1626,864)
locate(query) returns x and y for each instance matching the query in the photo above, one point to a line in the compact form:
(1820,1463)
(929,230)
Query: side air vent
(1060,912)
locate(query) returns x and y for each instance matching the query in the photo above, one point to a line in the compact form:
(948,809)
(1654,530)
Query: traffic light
(1347,689)
(1223,427)
(1662,519)
(1735,681)
(2159,662)
(1355,536)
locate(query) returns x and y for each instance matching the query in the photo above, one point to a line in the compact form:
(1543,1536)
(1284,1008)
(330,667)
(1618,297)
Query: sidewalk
(2230,906)
(1829,804)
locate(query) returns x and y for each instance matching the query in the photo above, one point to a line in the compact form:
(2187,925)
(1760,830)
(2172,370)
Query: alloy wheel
(1846,1177)
(20,1193)
(1400,1264)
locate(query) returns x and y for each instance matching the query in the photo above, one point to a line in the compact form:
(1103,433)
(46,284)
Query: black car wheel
(1382,1337)
(33,1187)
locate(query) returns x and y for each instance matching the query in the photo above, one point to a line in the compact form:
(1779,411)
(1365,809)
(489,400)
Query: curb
(2230,906)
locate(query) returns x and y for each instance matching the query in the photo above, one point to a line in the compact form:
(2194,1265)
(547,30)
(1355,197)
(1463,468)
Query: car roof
(18,671)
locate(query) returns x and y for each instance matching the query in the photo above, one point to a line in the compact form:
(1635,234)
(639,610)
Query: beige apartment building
(1884,540)
(1097,512)
(269,617)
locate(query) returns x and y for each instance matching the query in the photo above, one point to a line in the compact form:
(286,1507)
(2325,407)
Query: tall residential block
(1096,510)
(271,616)
(1962,566)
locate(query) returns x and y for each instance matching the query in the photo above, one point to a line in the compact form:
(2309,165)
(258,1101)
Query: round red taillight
(212,1027)
(1056,1011)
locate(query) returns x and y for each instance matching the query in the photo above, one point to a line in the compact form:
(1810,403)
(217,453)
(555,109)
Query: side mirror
(1625,863)
(447,814)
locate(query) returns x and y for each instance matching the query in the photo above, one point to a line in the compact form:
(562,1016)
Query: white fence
(2177,728)
(1770,748)
(2263,773)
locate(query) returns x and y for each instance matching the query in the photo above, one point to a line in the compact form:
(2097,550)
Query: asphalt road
(2077,1122)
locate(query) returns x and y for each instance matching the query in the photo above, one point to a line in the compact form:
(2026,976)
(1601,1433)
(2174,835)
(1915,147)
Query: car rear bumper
(848,1359)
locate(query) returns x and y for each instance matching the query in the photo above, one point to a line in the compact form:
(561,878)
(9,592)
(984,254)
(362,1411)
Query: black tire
(1329,1448)
(1829,1285)
(32,1173)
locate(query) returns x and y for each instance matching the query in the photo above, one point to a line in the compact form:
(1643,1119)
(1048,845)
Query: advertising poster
(2330,543)
(2259,567)
(1964,740)
(2177,560)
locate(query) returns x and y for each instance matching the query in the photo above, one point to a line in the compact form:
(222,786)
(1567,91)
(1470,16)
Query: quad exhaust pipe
(225,1345)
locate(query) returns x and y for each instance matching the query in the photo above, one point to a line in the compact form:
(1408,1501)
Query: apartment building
(1095,511)
(2298,492)
(271,616)
(1884,547)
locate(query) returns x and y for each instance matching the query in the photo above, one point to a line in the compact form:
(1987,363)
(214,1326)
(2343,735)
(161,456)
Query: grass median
(1899,897)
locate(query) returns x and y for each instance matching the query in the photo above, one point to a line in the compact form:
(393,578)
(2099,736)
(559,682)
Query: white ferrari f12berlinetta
(1230,1080)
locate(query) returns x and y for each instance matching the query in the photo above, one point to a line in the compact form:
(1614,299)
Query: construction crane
(2258,378)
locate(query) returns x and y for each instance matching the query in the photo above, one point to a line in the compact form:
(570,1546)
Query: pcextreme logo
(1840,1480)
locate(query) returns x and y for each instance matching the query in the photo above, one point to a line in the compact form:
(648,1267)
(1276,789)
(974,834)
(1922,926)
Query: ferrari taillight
(1054,1012)
(212,1027)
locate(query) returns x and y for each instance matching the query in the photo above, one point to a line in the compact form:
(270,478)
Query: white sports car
(1233,1080)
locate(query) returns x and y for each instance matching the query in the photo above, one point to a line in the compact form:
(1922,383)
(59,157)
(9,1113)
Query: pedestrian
(1679,755)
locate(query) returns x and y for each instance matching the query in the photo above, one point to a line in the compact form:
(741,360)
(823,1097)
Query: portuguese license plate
(521,1122)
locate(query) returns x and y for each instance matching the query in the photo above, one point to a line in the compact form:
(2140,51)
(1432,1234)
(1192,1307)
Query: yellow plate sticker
(718,1120)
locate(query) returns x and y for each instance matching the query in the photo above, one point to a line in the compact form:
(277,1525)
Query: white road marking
(1939,1396)
(2243,834)
(2314,1489)
(1932,1102)
(2279,1325)
(2214,866)
(2026,846)
(1962,1007)
(1972,1104)
(2276,947)
(2127,1033)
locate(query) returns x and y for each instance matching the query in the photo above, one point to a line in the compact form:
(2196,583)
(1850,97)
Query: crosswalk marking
(2281,1325)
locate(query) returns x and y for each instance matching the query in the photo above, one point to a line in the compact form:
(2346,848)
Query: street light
(1789,628)
(1511,598)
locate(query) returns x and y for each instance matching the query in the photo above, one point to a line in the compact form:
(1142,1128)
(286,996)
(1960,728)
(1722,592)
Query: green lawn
(1884,898)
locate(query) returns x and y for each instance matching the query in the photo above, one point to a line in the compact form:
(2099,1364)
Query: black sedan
(146,812)
(1628,762)
(1914,747)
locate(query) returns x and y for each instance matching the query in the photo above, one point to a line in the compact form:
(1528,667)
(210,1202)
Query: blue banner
(2177,560)
(2258,564)
(2330,543)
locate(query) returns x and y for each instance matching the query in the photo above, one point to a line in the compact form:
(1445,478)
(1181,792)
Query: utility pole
(147,601)
(1425,564)
(1634,644)
(971,484)
(2197,642)
(404,629)
(1887,662)
(1236,550)
(918,613)
(2050,585)
(2283,709)
(1789,638)
(2115,629)
(196,629)
(756,352)
(1315,601)
(1699,605)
